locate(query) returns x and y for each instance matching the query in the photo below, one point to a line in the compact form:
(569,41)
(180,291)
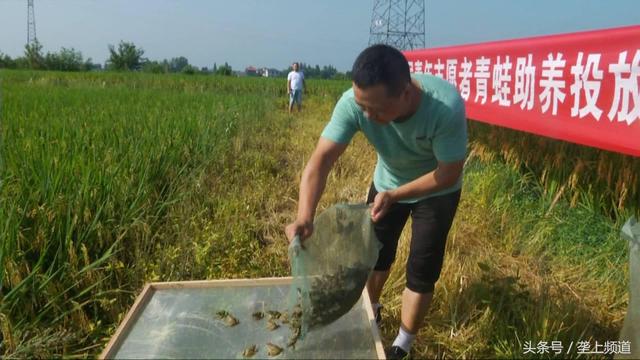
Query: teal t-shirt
(411,148)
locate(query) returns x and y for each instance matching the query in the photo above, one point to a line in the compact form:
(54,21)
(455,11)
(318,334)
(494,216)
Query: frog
(250,351)
(273,349)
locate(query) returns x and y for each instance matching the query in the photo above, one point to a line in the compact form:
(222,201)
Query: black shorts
(431,221)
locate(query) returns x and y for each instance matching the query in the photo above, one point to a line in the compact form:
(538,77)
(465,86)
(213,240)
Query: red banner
(579,87)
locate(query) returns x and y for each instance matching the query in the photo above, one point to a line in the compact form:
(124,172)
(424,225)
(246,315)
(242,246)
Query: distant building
(270,72)
(251,71)
(264,72)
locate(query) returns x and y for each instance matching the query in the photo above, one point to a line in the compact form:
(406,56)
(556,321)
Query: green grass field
(108,181)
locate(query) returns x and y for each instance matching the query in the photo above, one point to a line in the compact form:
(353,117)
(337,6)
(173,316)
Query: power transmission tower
(399,23)
(31,23)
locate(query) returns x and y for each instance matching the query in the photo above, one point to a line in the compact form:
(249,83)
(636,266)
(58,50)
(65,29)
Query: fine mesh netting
(631,329)
(330,269)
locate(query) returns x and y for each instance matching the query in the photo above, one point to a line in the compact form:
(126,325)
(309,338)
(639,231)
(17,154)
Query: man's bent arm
(444,176)
(314,177)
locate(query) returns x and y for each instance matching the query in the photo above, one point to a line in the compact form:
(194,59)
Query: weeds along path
(258,187)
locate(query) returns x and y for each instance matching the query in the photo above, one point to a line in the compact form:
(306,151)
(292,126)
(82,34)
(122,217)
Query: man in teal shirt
(418,128)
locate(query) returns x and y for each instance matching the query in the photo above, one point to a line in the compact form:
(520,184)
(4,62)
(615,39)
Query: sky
(274,33)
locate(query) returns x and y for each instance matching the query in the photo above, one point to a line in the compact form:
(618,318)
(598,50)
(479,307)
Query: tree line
(129,57)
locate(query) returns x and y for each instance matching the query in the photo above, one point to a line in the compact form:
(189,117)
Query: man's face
(378,106)
(295,67)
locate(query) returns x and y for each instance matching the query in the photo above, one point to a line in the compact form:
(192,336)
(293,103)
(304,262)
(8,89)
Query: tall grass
(111,180)
(101,175)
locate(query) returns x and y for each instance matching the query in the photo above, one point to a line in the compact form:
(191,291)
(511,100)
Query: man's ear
(406,93)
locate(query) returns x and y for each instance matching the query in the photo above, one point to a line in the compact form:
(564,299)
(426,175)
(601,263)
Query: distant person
(419,131)
(295,85)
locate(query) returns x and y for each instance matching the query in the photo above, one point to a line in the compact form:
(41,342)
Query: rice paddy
(108,181)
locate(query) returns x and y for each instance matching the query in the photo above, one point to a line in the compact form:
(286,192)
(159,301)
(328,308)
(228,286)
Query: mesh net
(631,329)
(330,269)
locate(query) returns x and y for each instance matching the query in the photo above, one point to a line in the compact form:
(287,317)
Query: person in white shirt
(295,85)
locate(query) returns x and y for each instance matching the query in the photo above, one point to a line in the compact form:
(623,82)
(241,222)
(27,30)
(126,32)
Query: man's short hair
(381,64)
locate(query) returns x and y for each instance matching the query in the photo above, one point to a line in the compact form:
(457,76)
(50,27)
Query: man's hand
(299,227)
(381,205)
